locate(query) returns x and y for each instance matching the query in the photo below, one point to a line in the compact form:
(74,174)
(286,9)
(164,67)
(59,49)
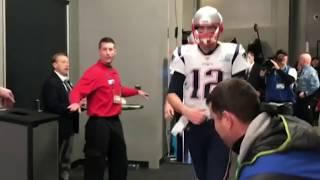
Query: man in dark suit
(255,59)
(55,97)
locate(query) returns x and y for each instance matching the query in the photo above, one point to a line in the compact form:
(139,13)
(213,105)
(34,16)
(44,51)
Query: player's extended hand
(8,97)
(143,94)
(168,111)
(196,116)
(7,103)
(74,107)
(302,94)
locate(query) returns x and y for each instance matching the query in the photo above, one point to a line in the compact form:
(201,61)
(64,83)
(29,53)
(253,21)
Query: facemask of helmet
(207,26)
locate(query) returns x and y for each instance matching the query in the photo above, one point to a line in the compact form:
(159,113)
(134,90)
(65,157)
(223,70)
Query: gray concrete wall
(175,19)
(141,36)
(189,8)
(75,73)
(74,40)
(305,27)
(313,25)
(297,22)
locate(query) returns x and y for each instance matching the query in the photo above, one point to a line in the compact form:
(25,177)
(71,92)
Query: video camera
(278,58)
(267,65)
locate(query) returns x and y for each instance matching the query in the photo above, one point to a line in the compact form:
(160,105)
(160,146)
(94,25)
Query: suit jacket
(55,99)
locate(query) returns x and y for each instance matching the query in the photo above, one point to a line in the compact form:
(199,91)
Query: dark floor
(167,171)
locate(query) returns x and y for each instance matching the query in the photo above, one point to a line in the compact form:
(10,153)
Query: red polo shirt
(100,84)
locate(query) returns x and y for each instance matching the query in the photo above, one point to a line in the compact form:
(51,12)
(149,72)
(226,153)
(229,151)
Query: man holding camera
(279,79)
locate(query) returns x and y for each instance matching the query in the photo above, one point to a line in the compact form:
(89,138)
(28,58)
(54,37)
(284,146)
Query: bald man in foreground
(307,85)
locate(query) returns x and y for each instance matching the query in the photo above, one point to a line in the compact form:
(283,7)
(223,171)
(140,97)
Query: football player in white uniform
(198,68)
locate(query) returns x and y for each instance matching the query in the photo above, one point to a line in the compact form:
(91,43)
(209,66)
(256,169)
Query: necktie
(68,85)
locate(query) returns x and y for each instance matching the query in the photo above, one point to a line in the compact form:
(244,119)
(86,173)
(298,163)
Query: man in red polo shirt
(101,85)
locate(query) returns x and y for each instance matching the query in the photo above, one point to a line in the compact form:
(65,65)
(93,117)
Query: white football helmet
(207,24)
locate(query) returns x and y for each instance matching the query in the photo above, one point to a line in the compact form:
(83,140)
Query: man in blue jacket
(280,80)
(269,145)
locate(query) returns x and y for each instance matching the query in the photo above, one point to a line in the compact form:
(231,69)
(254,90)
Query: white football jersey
(204,72)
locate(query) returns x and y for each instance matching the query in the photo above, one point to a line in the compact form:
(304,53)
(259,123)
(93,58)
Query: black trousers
(209,155)
(104,139)
(305,109)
